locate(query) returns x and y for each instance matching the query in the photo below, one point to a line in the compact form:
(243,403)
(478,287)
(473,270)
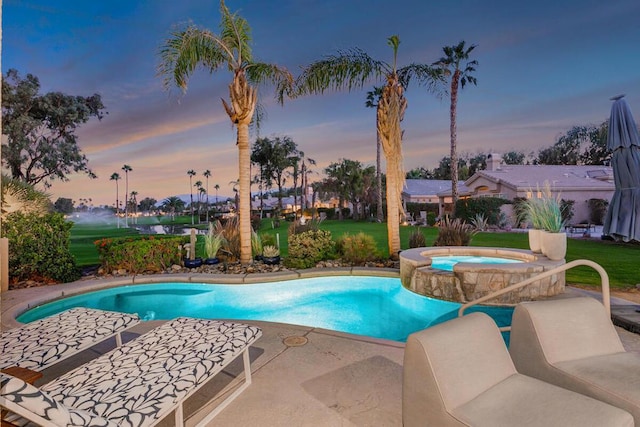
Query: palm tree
(187,49)
(451,66)
(191,174)
(115,177)
(126,169)
(352,69)
(134,205)
(305,175)
(217,187)
(207,175)
(373,98)
(172,204)
(198,186)
(235,190)
(18,196)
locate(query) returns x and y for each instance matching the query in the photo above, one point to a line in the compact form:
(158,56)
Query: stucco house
(570,182)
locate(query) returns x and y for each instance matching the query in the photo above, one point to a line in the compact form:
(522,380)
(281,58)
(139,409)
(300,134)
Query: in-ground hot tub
(468,281)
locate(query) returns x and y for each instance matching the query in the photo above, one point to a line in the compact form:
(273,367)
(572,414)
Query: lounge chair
(45,342)
(459,373)
(572,343)
(140,382)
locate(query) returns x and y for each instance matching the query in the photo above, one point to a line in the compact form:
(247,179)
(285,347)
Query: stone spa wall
(470,281)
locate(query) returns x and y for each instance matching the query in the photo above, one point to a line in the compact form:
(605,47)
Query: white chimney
(494,160)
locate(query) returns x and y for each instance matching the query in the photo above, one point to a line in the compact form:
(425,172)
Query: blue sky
(544,66)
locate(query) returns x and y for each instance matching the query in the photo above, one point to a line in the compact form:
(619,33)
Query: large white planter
(554,245)
(534,240)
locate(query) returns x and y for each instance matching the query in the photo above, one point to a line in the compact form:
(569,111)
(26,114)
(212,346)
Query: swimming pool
(378,307)
(446,262)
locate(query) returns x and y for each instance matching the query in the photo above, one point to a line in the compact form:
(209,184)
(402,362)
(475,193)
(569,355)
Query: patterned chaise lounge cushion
(140,382)
(33,401)
(40,344)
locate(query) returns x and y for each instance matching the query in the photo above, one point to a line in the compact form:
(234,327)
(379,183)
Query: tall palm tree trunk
(454,149)
(243,103)
(390,113)
(244,208)
(379,212)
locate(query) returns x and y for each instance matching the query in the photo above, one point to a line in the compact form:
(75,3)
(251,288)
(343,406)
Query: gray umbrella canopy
(622,221)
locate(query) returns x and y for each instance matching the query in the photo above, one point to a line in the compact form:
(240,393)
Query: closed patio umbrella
(622,221)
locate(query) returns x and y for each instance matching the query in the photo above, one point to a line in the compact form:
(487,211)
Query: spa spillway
(491,269)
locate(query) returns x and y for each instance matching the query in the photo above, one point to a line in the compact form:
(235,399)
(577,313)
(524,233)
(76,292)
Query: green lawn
(619,260)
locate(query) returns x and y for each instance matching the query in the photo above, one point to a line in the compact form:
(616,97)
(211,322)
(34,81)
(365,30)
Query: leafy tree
(274,156)
(596,152)
(513,158)
(63,205)
(419,173)
(147,204)
(187,49)
(452,65)
(41,144)
(352,69)
(350,181)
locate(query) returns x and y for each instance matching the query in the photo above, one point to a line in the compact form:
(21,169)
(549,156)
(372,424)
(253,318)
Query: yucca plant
(454,233)
(480,222)
(212,241)
(270,251)
(417,239)
(545,213)
(256,244)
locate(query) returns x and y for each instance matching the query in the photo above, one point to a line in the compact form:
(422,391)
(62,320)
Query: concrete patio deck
(302,376)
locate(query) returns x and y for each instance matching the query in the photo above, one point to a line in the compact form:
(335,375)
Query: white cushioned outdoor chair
(140,382)
(45,342)
(459,373)
(572,343)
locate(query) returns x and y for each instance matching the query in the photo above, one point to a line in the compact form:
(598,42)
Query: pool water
(447,262)
(372,306)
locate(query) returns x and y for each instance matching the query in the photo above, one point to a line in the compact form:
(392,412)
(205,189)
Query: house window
(529,194)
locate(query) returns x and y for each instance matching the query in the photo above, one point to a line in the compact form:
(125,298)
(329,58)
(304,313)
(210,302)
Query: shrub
(256,221)
(256,244)
(40,247)
(230,231)
(597,210)
(267,239)
(271,251)
(480,223)
(417,239)
(566,207)
(454,233)
(140,254)
(212,241)
(308,248)
(357,249)
(467,209)
(431,218)
(520,210)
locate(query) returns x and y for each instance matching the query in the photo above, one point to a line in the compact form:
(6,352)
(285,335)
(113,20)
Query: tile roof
(561,177)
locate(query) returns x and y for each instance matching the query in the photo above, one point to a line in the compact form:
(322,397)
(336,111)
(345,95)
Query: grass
(619,260)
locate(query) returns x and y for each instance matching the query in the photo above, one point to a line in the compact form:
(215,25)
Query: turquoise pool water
(448,261)
(372,306)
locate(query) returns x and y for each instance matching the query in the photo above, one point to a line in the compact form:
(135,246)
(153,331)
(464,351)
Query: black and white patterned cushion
(36,402)
(40,344)
(140,382)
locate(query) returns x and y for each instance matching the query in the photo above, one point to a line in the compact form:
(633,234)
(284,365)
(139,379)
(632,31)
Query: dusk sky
(544,66)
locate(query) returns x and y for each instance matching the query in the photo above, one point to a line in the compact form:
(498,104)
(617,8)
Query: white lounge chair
(45,342)
(142,381)
(572,343)
(459,373)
